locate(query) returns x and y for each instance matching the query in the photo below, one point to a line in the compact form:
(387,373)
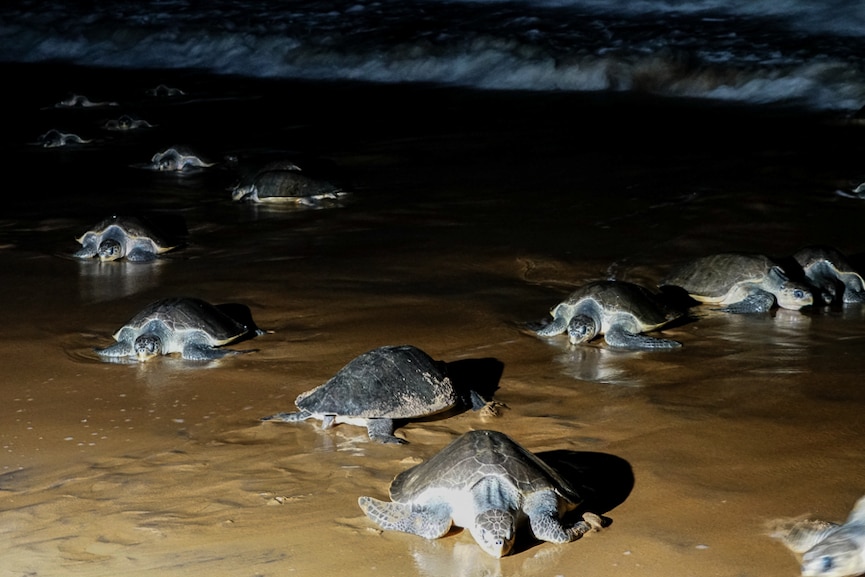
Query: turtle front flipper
(381,430)
(557,327)
(117,350)
(140,254)
(89,247)
(289,417)
(203,352)
(854,287)
(430,522)
(620,338)
(543,511)
(800,535)
(757,302)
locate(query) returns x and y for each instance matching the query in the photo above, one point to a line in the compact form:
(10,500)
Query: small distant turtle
(619,310)
(122,236)
(55,139)
(743,283)
(189,326)
(163,91)
(81,101)
(828,549)
(283,181)
(176,159)
(487,483)
(379,387)
(830,273)
(125,123)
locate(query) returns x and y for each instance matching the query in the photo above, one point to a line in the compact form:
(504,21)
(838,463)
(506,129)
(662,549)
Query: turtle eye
(826,563)
(798,293)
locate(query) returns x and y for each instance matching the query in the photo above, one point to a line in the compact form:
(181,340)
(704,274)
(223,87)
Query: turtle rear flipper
(430,522)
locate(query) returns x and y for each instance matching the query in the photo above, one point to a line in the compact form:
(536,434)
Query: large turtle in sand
(283,181)
(487,483)
(828,549)
(619,310)
(833,277)
(742,283)
(117,237)
(379,387)
(189,326)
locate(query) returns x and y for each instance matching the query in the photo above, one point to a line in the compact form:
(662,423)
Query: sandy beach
(471,213)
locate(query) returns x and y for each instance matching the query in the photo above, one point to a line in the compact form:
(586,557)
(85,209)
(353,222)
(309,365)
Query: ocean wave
(740,51)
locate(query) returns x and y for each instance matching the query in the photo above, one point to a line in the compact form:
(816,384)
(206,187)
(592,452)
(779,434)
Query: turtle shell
(473,456)
(619,297)
(399,382)
(711,278)
(184,314)
(132,228)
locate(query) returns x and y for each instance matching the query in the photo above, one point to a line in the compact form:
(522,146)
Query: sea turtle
(830,273)
(189,326)
(743,283)
(487,483)
(122,236)
(828,549)
(125,123)
(163,91)
(283,181)
(56,139)
(176,159)
(379,387)
(616,309)
(81,101)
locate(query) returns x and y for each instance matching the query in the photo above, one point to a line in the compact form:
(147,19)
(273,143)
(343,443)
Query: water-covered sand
(471,214)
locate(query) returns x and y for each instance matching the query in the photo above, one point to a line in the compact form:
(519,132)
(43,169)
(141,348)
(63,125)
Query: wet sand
(472,214)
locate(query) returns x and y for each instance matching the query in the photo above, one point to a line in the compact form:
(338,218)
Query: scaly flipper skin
(557,327)
(757,302)
(289,417)
(117,350)
(381,430)
(430,522)
(204,352)
(619,338)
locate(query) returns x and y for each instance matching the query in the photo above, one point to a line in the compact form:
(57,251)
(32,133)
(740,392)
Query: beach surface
(471,214)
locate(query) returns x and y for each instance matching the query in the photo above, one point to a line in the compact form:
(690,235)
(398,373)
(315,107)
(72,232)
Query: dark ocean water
(760,51)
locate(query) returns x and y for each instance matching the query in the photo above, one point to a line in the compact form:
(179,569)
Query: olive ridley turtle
(834,279)
(283,181)
(381,386)
(828,549)
(189,326)
(56,139)
(619,310)
(743,283)
(487,483)
(122,236)
(176,159)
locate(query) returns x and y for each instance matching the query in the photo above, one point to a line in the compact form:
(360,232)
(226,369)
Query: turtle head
(147,346)
(832,558)
(109,249)
(582,329)
(242,192)
(494,530)
(794,296)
